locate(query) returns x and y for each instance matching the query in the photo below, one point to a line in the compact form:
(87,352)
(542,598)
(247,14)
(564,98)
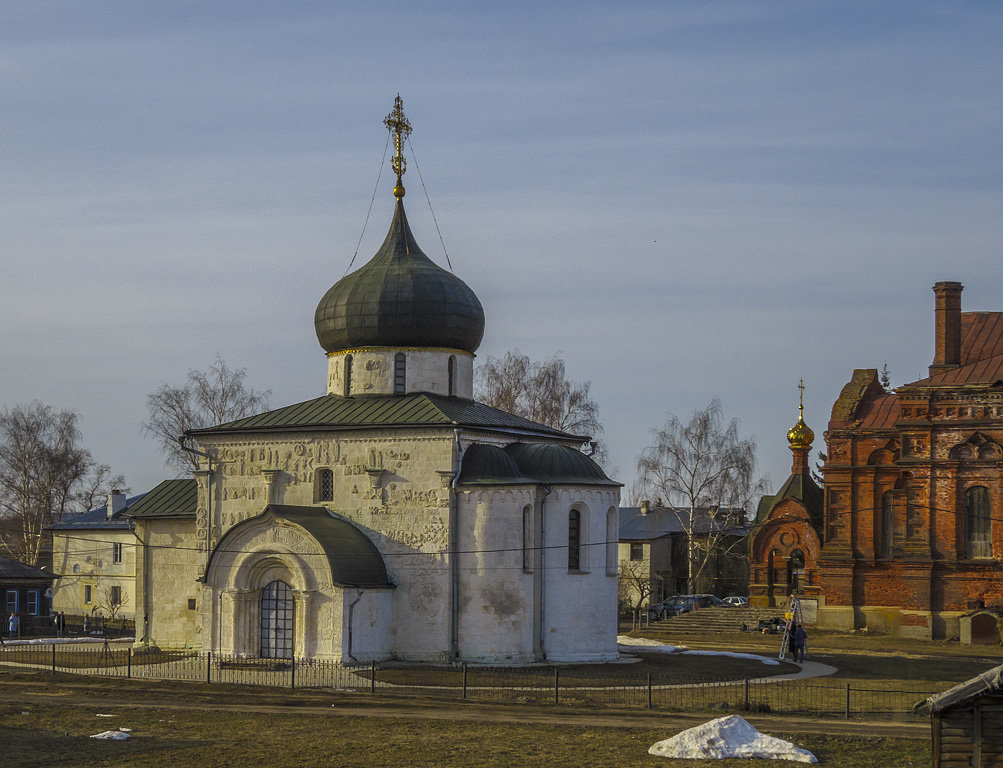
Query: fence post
(372,677)
(208,667)
(53,658)
(128,662)
(292,673)
(557,698)
(746,704)
(649,690)
(846,709)
(464,680)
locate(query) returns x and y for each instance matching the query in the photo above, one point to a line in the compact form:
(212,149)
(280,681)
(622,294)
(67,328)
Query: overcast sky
(685,200)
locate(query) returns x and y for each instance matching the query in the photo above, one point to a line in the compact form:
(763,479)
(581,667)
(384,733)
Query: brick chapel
(909,537)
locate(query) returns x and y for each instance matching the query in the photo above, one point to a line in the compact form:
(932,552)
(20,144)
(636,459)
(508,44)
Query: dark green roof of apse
(559,464)
(172,498)
(485,464)
(400,298)
(354,559)
(333,412)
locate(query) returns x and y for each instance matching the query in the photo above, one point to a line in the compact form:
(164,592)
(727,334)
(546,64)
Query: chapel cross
(398,125)
(801,404)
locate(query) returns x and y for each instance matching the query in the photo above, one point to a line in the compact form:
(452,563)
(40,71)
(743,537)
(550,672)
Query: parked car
(736,600)
(677,604)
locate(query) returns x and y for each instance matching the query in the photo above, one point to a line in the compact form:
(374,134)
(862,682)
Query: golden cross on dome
(398,125)
(801,404)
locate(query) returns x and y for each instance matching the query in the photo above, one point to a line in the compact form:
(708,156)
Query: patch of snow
(627,644)
(126,730)
(730,736)
(63,640)
(111,735)
(99,715)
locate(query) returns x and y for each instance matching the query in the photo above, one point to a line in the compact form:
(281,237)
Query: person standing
(13,624)
(60,623)
(800,643)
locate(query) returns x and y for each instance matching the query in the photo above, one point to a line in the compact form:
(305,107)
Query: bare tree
(707,474)
(44,475)
(540,392)
(635,584)
(112,599)
(205,399)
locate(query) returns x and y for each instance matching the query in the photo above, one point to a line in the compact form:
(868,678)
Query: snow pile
(627,644)
(111,735)
(62,640)
(730,736)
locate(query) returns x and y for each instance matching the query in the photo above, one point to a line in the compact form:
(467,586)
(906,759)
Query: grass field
(56,735)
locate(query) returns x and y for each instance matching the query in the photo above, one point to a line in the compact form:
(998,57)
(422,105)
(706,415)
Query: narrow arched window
(325,485)
(978,523)
(574,540)
(527,539)
(452,375)
(887,524)
(400,373)
(348,375)
(612,540)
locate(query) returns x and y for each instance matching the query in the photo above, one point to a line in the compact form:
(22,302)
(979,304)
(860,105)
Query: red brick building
(911,536)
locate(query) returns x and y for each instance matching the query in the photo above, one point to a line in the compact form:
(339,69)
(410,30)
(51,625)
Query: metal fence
(576,686)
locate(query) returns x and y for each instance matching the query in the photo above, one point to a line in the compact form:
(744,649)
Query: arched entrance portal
(277,621)
(795,572)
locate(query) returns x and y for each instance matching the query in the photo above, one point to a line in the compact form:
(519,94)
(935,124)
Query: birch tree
(707,473)
(45,475)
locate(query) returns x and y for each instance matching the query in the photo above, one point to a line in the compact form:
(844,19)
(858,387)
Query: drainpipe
(542,570)
(351,610)
(454,564)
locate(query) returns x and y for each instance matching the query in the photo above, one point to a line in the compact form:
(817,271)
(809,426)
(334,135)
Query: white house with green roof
(393,516)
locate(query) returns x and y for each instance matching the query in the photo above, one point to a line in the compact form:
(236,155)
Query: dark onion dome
(401,298)
(485,464)
(552,463)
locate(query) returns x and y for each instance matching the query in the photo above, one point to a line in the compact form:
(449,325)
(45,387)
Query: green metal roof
(354,559)
(801,487)
(172,498)
(332,412)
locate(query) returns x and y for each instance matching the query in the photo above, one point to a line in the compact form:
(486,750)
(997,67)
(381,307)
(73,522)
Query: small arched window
(978,523)
(452,375)
(348,375)
(574,540)
(325,485)
(527,539)
(400,373)
(887,524)
(612,540)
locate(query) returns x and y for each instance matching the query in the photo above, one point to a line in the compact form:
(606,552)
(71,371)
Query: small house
(967,723)
(26,591)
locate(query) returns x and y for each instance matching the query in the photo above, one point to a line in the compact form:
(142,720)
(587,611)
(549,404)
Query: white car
(736,600)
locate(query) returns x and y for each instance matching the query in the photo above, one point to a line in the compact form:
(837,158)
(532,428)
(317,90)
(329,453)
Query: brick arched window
(978,523)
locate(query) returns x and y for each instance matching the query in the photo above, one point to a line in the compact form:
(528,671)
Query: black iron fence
(618,687)
(73,626)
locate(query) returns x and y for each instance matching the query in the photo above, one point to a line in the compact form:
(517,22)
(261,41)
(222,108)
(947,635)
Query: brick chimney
(116,503)
(947,333)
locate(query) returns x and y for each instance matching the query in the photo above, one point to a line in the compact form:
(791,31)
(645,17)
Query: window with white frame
(11,601)
(116,552)
(33,602)
(88,594)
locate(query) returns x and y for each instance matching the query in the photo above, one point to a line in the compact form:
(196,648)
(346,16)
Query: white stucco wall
(427,370)
(85,557)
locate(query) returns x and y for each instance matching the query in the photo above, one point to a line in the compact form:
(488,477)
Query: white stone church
(393,517)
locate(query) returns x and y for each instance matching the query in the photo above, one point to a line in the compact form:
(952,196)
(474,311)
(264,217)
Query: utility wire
(417,167)
(371,200)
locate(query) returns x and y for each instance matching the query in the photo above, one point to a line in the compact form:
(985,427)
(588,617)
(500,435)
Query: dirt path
(485,713)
